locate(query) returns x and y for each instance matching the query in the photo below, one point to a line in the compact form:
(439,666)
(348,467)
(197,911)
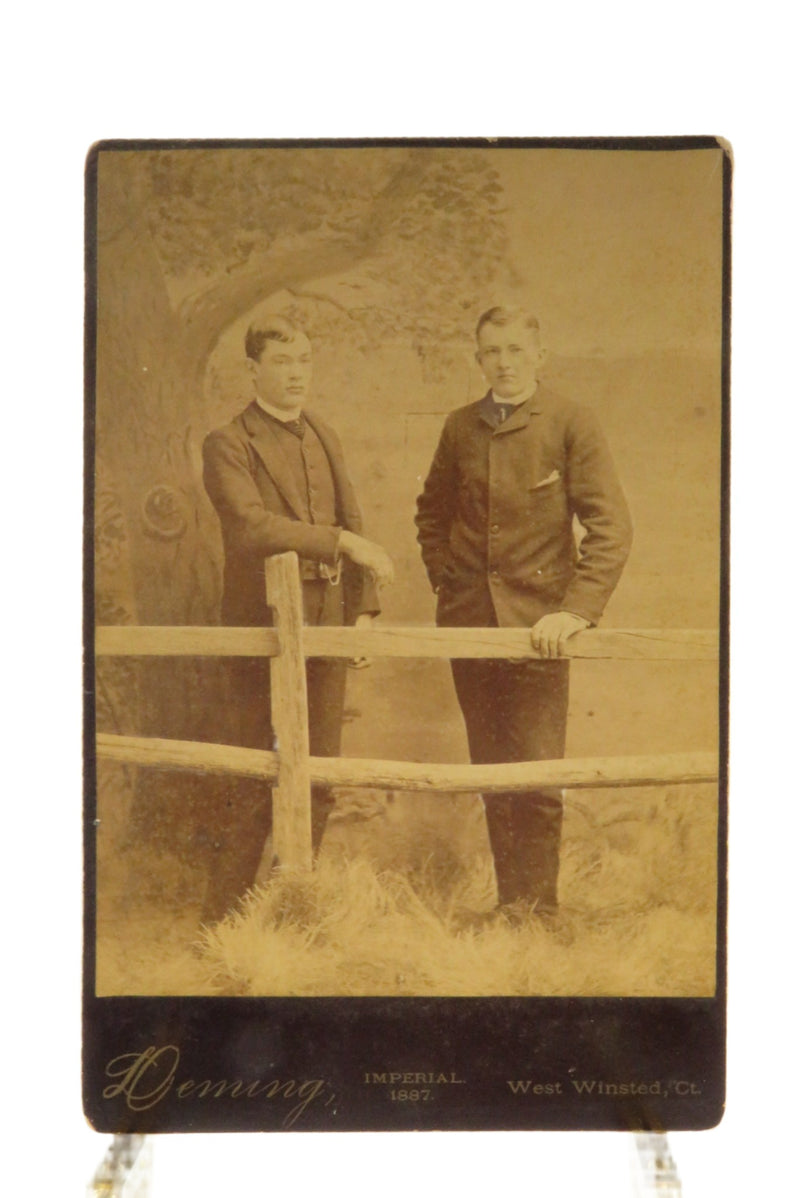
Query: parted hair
(501,315)
(271,328)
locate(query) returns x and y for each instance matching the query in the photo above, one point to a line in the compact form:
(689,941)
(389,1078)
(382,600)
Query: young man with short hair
(495,525)
(277,479)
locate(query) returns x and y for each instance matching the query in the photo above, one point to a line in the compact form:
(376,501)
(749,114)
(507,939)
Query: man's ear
(542,356)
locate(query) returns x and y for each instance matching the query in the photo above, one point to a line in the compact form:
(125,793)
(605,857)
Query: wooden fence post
(291,797)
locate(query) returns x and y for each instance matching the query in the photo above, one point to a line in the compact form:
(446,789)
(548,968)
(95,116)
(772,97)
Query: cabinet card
(406,569)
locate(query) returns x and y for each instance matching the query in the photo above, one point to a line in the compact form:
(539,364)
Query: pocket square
(551,478)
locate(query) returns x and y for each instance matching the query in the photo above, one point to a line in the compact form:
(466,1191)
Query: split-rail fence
(291,770)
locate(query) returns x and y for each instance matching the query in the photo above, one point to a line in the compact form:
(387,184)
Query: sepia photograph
(406,595)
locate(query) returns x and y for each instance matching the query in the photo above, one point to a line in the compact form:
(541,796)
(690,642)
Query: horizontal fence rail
(573,773)
(599,643)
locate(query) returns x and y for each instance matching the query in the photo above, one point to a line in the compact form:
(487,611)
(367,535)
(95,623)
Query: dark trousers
(517,711)
(243,810)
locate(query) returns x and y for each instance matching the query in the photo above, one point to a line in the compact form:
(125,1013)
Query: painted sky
(617,252)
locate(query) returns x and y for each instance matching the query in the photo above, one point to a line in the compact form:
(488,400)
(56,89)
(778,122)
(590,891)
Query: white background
(93,71)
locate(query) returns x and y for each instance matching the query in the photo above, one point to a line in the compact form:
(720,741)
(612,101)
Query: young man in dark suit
(277,478)
(495,525)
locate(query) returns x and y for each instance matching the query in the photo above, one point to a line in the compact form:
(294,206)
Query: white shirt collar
(515,401)
(281,414)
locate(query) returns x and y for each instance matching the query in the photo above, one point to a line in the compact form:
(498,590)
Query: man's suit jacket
(251,485)
(495,519)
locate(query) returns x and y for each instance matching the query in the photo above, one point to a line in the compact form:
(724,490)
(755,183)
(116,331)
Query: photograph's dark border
(481,1041)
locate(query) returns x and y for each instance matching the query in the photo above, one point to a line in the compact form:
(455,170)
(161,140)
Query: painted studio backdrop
(386,256)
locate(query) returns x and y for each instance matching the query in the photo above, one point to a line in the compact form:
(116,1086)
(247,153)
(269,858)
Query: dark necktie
(297,426)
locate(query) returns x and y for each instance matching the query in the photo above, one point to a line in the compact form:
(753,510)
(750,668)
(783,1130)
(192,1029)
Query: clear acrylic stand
(126,1171)
(654,1171)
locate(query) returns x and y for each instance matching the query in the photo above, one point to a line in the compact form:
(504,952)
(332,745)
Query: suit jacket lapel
(517,419)
(265,442)
(344,493)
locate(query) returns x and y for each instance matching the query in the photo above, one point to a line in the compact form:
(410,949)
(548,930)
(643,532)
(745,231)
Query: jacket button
(494,576)
(495,529)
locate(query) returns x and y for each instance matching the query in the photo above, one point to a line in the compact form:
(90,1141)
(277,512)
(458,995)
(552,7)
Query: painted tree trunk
(155,530)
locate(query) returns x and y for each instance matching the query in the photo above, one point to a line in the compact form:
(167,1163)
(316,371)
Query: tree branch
(208,313)
(296,293)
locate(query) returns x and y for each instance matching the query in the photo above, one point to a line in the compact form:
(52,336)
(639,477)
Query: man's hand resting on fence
(367,554)
(550,634)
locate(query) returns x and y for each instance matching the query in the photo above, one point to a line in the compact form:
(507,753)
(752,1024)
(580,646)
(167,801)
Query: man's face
(283,374)
(510,358)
